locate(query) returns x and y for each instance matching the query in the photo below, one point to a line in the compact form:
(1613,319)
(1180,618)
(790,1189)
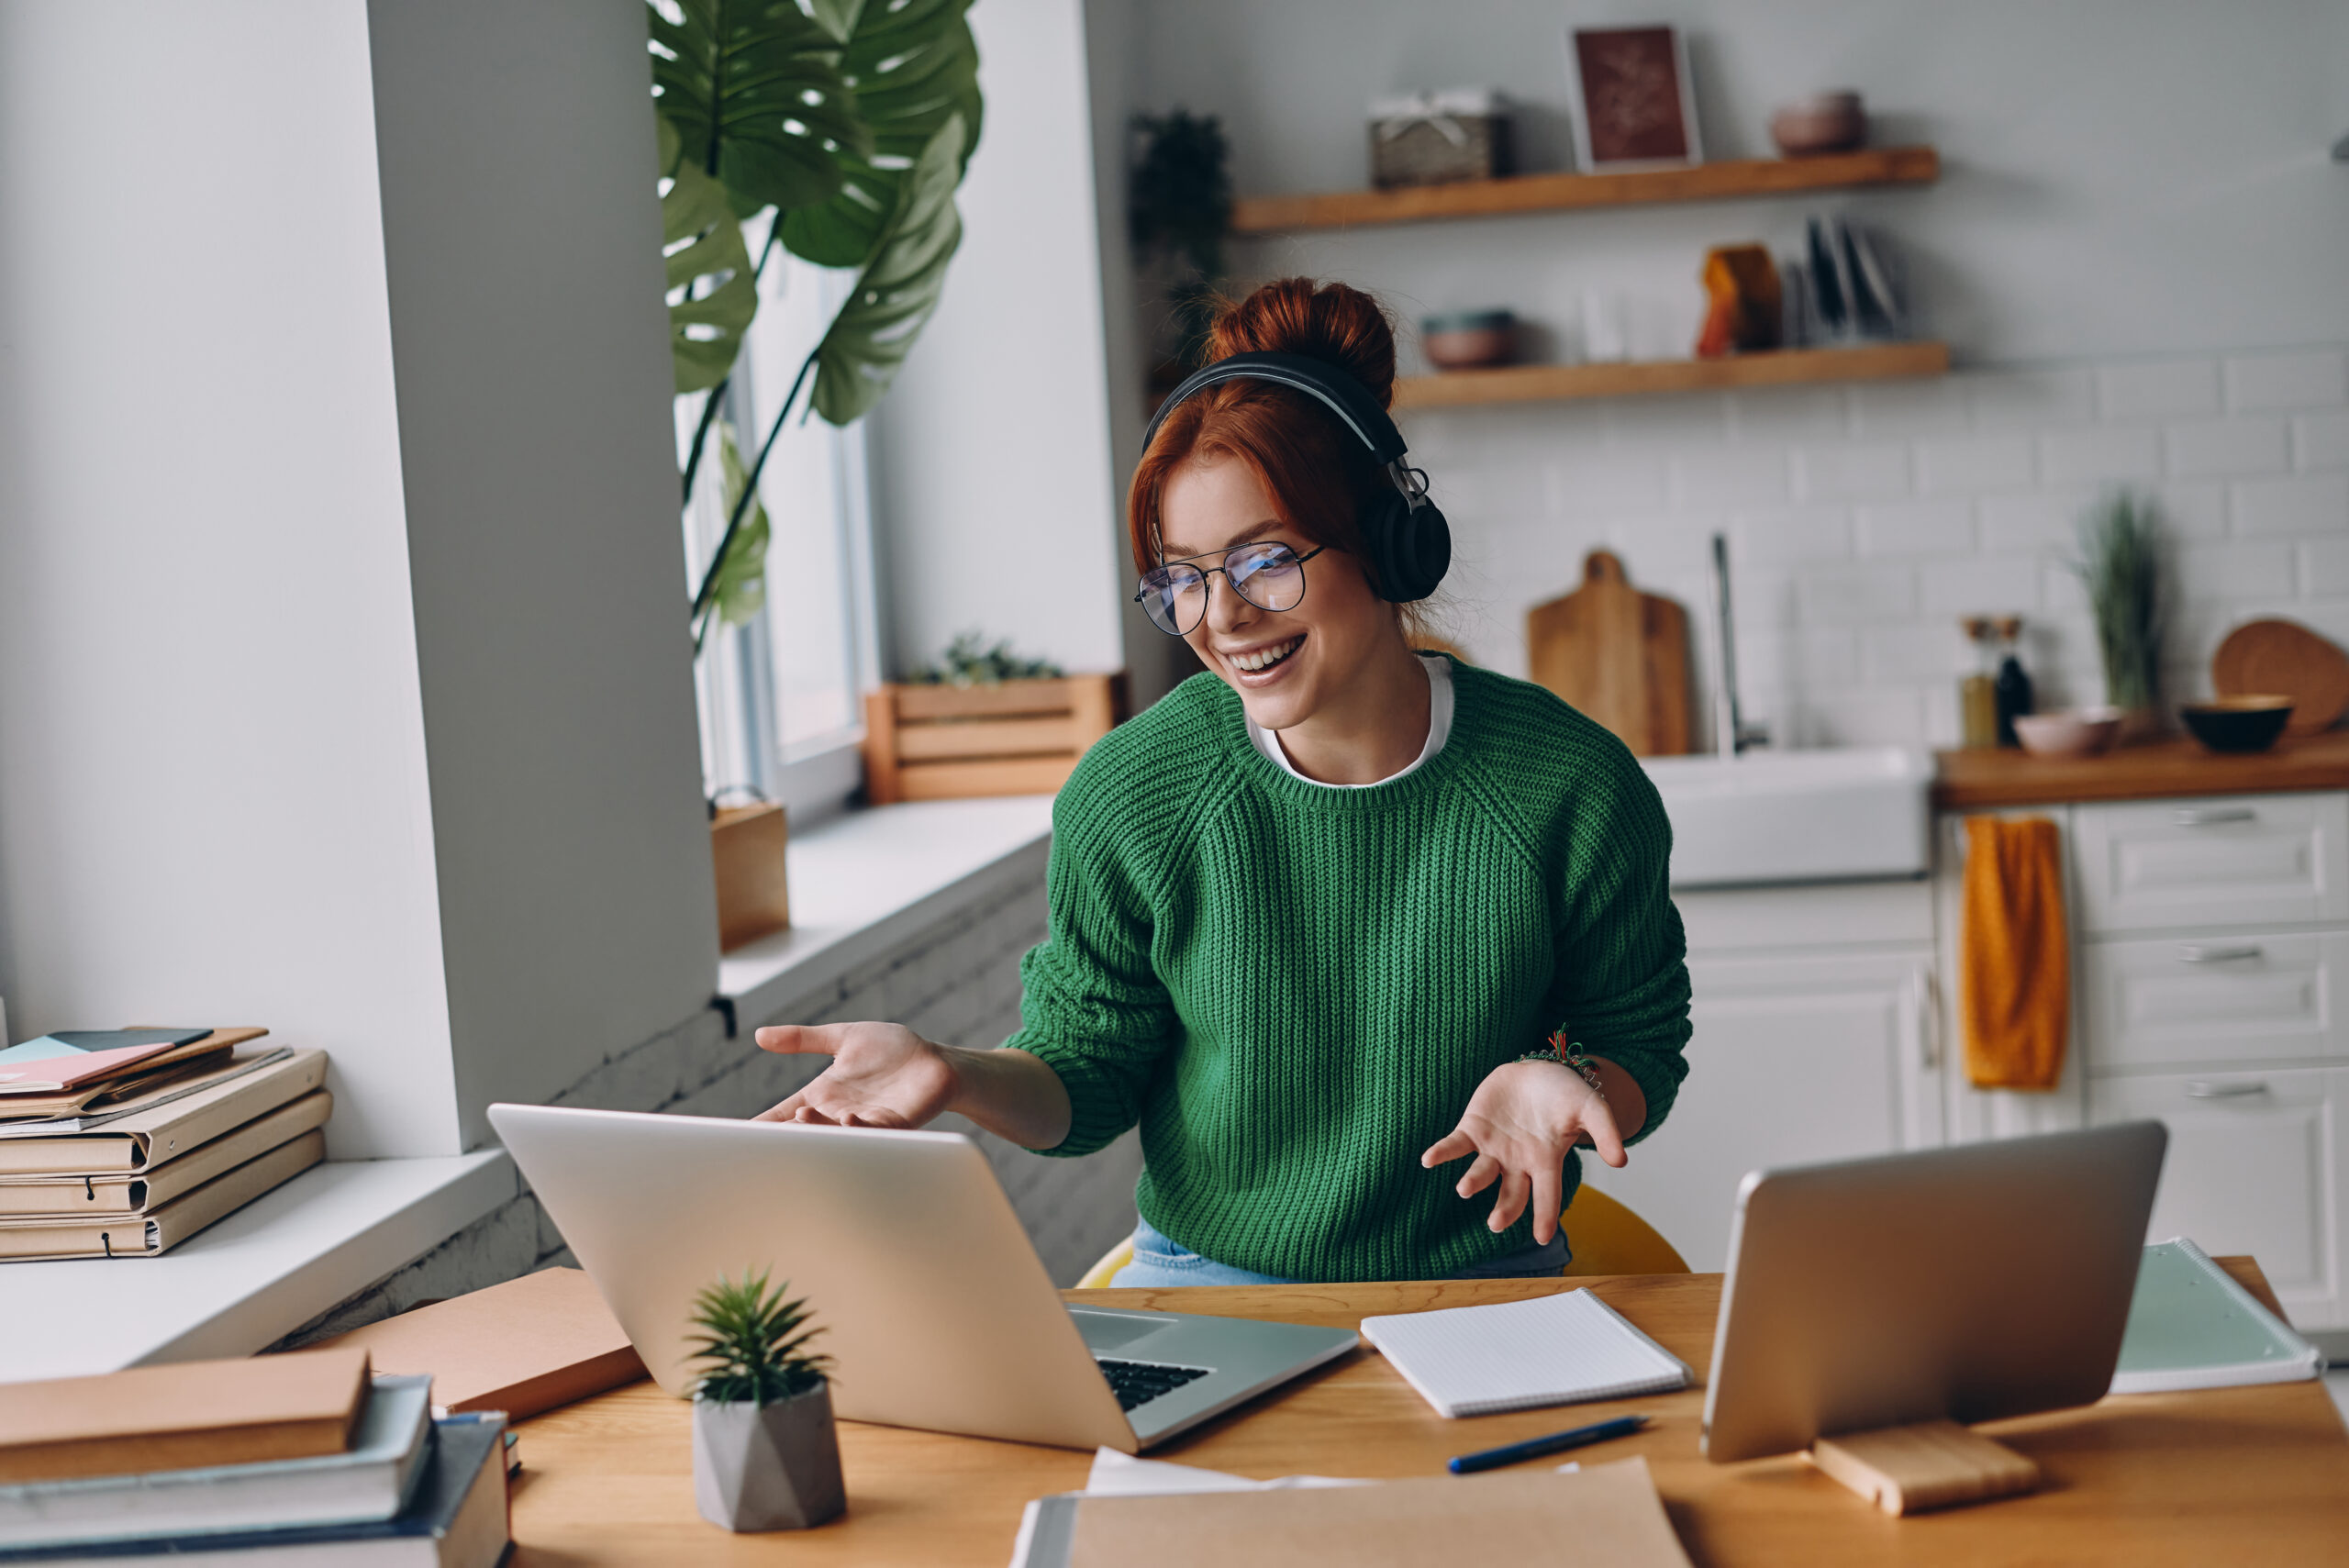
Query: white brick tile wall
(2320,440)
(2263,381)
(1873,472)
(1865,519)
(2302,504)
(2099,455)
(2157,391)
(2227,447)
(1917,527)
(1967,465)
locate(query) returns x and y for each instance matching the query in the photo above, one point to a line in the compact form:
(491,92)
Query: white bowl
(2077,733)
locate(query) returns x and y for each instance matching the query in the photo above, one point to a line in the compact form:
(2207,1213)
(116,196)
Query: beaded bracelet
(1566,1053)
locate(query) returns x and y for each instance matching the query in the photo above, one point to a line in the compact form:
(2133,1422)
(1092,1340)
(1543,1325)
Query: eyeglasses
(1269,576)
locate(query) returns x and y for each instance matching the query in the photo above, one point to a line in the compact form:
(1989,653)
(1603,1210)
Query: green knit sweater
(1294,990)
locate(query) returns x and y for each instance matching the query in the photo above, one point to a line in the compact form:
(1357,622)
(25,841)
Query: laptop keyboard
(1138,1383)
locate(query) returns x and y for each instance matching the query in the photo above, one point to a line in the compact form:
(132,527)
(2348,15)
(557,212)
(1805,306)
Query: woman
(1332,915)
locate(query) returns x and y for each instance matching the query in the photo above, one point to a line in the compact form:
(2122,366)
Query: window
(781,695)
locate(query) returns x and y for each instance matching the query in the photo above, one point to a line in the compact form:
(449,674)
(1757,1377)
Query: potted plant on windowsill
(766,1455)
(983,721)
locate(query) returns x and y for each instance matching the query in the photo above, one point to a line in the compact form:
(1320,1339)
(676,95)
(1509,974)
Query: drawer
(2253,1166)
(2217,998)
(2224,860)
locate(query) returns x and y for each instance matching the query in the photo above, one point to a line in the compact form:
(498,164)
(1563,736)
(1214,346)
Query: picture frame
(1630,99)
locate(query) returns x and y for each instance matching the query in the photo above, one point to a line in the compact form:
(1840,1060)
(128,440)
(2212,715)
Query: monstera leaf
(737,588)
(754,89)
(897,290)
(712,294)
(911,64)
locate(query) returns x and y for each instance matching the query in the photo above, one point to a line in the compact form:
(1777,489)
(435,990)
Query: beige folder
(1606,1514)
(173,1121)
(142,1192)
(144,1236)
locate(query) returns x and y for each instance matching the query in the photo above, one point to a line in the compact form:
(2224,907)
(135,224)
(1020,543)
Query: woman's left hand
(1521,1123)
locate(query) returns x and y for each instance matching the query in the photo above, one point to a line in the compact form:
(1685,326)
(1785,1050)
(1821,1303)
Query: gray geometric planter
(759,1467)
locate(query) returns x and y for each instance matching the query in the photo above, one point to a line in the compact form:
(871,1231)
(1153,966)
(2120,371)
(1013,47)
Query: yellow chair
(1609,1239)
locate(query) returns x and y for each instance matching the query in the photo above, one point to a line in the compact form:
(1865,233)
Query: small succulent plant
(752,1343)
(969,662)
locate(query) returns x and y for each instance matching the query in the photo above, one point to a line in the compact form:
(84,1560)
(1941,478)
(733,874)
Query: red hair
(1319,474)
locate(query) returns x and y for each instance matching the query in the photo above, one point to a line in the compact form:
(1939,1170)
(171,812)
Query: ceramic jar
(1825,122)
(1468,338)
(761,1467)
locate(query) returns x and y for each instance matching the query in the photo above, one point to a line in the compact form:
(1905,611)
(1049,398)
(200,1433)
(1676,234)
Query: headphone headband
(1325,382)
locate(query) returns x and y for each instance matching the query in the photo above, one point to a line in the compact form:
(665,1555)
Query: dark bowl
(2237,724)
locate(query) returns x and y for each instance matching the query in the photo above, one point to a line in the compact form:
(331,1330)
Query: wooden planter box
(951,742)
(746,846)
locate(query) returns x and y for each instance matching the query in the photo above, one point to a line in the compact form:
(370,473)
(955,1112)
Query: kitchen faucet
(1732,735)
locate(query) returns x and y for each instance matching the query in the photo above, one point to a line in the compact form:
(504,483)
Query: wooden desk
(2245,1475)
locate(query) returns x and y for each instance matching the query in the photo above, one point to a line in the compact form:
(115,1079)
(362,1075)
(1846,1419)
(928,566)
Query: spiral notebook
(1519,1355)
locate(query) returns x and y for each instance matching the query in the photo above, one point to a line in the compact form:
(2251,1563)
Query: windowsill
(861,885)
(862,882)
(251,1279)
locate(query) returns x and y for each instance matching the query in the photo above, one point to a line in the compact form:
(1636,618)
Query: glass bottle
(2013,687)
(1978,693)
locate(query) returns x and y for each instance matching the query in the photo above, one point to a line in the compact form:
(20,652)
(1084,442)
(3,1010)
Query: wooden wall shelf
(1564,193)
(1541,383)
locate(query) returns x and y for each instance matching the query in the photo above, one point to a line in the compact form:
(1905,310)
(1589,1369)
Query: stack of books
(121,1143)
(294,1459)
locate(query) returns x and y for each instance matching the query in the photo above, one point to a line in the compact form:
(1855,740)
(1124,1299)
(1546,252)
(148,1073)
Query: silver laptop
(1969,1284)
(937,1311)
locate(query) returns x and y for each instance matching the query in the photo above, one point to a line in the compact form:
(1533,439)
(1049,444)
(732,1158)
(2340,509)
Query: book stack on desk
(295,1459)
(122,1143)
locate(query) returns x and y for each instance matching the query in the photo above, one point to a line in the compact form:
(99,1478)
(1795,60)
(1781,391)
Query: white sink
(1828,815)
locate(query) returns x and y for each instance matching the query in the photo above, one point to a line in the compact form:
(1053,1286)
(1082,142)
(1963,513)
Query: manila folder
(1608,1514)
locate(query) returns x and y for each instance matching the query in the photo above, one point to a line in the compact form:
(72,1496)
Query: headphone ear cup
(1409,548)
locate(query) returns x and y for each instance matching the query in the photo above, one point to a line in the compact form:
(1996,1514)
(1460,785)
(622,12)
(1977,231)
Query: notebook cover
(141,1133)
(136,1235)
(2192,1326)
(181,1416)
(523,1347)
(59,1074)
(24,1197)
(371,1480)
(1604,1514)
(457,1519)
(1520,1355)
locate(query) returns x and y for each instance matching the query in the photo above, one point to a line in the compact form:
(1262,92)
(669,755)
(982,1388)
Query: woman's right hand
(881,1075)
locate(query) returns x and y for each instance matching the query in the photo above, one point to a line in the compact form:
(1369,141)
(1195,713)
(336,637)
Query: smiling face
(1286,665)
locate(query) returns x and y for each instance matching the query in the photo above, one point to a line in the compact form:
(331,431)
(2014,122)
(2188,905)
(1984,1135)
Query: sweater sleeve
(1621,989)
(1092,1007)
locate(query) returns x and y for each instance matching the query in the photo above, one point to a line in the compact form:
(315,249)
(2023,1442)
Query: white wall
(523,233)
(994,487)
(2136,248)
(214,806)
(343,672)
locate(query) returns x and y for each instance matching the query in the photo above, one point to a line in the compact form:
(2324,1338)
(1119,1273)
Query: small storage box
(746,846)
(1432,139)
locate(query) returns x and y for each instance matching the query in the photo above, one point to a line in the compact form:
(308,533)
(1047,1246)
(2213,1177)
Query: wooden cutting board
(1618,654)
(2286,659)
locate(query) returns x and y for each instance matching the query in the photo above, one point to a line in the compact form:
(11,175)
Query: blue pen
(1556,1443)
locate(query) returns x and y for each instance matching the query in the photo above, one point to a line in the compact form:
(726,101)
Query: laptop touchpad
(1114,1330)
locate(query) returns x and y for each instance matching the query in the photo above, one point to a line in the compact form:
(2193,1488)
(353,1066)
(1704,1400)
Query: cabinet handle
(2200,1090)
(1928,1018)
(2211,816)
(2192,954)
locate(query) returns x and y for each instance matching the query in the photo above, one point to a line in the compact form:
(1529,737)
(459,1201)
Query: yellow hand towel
(2015,963)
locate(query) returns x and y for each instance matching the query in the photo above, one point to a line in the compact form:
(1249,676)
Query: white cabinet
(2209,942)
(1824,1051)
(2253,1166)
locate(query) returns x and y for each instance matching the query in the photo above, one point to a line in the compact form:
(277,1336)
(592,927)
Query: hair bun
(1334,323)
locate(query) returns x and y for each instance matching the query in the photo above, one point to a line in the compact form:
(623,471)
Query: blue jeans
(1160,1260)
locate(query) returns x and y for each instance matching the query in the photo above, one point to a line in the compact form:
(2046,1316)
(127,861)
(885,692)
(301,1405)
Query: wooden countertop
(2251,1475)
(1973,779)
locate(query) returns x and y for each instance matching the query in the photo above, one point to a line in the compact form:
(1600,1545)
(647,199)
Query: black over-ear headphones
(1408,541)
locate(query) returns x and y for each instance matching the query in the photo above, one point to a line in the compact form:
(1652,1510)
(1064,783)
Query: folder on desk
(1604,1514)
